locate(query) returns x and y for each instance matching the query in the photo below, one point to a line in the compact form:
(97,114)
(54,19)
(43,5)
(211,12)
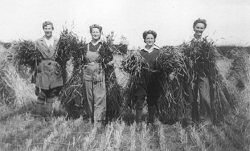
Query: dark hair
(145,33)
(95,26)
(48,23)
(203,21)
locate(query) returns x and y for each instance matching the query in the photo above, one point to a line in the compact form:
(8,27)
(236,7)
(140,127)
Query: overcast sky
(228,20)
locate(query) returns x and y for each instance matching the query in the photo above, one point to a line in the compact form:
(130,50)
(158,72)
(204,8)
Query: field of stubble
(20,130)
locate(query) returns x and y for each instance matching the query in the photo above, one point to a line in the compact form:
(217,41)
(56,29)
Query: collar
(43,39)
(52,37)
(151,49)
(197,39)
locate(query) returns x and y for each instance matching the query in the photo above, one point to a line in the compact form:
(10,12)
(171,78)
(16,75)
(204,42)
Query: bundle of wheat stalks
(238,73)
(7,93)
(115,100)
(200,59)
(172,100)
(135,65)
(68,45)
(26,54)
(73,96)
(120,48)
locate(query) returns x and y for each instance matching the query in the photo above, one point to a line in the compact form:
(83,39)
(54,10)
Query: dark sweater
(150,80)
(151,57)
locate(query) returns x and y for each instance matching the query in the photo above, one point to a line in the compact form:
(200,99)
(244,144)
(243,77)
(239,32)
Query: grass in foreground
(22,131)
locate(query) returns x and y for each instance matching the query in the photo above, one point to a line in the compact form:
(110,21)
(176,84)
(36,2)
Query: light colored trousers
(96,91)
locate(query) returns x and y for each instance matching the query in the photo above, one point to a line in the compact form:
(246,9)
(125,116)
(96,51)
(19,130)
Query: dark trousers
(148,90)
(45,99)
(152,107)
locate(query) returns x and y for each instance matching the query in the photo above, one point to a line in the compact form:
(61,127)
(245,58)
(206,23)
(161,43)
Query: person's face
(48,30)
(198,29)
(150,40)
(96,34)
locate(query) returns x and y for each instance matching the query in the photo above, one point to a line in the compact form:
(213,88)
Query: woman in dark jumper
(148,88)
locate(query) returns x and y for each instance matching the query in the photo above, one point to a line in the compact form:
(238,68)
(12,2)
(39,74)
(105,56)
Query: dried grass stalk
(73,96)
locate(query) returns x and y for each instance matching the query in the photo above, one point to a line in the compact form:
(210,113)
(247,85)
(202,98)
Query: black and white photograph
(125,75)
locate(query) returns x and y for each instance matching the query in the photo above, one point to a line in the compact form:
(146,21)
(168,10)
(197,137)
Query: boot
(151,113)
(187,118)
(138,116)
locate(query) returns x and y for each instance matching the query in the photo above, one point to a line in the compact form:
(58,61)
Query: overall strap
(88,47)
(97,48)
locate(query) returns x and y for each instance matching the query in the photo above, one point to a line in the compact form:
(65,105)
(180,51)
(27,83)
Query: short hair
(95,26)
(203,21)
(46,23)
(145,33)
